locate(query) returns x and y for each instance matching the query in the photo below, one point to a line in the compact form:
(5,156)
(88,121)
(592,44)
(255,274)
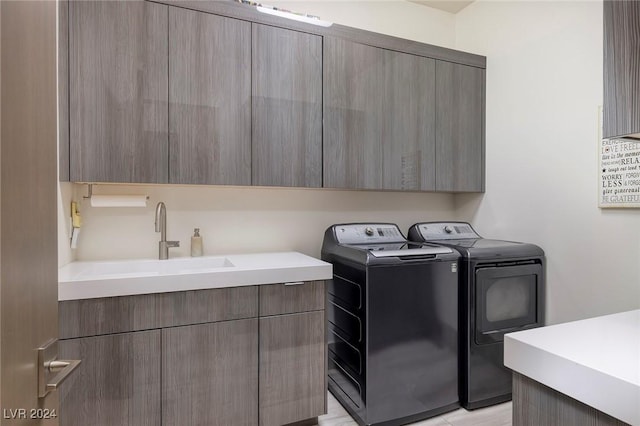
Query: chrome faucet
(161,227)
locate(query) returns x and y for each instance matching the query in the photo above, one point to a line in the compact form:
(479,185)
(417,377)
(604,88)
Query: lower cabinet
(210,374)
(292,368)
(118,381)
(260,360)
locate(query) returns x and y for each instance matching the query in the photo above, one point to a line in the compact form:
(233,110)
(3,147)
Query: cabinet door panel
(379,112)
(408,122)
(292,368)
(621,113)
(63,90)
(210,374)
(352,146)
(209,95)
(287,107)
(118,91)
(117,383)
(459,127)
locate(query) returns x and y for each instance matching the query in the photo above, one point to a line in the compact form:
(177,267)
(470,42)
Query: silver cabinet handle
(64,368)
(295,283)
(52,371)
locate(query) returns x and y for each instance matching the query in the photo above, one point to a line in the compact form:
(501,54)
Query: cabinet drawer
(290,298)
(200,306)
(93,317)
(108,315)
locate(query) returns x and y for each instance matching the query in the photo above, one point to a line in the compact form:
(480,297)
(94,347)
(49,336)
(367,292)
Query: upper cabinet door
(118,91)
(287,107)
(209,99)
(621,69)
(459,127)
(379,118)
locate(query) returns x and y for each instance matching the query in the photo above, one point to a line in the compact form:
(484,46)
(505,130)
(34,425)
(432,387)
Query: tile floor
(497,415)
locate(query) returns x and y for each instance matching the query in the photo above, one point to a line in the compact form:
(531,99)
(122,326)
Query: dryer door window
(506,300)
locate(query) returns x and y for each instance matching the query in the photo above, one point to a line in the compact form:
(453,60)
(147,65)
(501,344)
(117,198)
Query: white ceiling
(451,6)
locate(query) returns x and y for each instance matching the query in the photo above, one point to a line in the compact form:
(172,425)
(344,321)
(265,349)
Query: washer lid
(462,237)
(407,249)
(482,248)
(483,243)
(418,252)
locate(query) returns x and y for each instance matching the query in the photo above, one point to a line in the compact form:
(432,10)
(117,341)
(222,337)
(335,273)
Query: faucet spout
(161,220)
(161,227)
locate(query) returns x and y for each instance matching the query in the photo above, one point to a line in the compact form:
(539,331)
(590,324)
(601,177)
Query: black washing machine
(393,324)
(501,290)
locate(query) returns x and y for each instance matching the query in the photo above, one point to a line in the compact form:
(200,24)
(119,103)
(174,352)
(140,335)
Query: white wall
(398,18)
(237,220)
(544,86)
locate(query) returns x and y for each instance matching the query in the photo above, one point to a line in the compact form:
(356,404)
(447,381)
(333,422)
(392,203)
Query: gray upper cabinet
(621,69)
(286,107)
(459,127)
(379,118)
(209,99)
(219,94)
(118,91)
(63,90)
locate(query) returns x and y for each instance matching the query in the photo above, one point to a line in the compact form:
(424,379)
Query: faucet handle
(163,248)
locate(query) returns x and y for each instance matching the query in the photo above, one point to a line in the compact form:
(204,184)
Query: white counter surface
(87,280)
(595,361)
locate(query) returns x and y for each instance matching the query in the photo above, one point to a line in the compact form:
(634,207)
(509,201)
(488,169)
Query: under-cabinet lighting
(288,15)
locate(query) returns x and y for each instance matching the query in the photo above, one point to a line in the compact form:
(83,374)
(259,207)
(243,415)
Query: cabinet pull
(295,283)
(64,368)
(52,371)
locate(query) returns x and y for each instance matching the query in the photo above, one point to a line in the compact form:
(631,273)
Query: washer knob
(369,231)
(448,229)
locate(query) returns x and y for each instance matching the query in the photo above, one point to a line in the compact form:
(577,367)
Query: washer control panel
(368,233)
(447,231)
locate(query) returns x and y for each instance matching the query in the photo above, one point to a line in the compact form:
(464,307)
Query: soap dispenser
(196,243)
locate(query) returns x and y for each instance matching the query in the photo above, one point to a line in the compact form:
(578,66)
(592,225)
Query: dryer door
(506,299)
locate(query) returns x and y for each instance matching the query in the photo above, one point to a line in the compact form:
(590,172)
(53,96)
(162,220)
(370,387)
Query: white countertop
(87,280)
(595,361)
